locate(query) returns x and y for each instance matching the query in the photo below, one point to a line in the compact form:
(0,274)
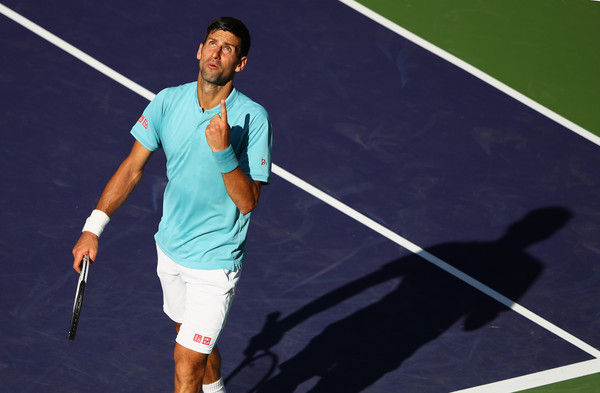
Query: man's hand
(217,132)
(87,244)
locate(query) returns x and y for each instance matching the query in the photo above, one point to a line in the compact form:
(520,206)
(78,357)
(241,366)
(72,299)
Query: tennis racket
(85,267)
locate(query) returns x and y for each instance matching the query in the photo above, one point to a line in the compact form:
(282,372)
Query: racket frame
(81,283)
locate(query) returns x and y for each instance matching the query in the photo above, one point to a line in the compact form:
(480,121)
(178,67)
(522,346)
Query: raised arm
(242,190)
(117,190)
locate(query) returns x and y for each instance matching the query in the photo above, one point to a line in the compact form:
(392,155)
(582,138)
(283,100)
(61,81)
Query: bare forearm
(243,191)
(118,188)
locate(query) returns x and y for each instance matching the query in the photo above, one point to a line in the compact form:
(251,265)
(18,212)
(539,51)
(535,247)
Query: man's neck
(210,95)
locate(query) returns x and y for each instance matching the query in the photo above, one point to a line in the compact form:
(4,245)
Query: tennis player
(217,144)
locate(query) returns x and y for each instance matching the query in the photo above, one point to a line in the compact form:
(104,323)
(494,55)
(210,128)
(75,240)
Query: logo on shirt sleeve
(144,121)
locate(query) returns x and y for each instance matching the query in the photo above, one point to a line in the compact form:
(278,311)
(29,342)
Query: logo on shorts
(202,340)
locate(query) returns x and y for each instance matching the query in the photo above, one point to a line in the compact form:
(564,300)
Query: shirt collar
(229,103)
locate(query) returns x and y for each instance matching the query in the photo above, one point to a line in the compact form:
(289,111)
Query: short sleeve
(260,142)
(147,130)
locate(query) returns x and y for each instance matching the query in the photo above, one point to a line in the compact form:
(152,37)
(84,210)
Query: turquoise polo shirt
(201,227)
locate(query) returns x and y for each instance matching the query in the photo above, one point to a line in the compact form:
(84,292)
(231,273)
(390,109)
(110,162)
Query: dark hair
(234,26)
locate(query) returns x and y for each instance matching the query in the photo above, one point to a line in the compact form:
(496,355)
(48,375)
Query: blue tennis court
(452,241)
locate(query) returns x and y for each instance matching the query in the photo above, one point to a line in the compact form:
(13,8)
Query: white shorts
(198,299)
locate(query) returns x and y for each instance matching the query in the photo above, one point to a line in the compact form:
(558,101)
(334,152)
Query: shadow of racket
(258,366)
(252,372)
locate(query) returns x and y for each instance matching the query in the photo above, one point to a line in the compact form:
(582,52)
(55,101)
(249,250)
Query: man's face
(219,57)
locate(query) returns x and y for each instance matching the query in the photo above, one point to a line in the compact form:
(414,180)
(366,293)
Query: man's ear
(199,54)
(241,65)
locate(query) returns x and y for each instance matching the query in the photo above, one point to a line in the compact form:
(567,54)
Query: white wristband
(96,222)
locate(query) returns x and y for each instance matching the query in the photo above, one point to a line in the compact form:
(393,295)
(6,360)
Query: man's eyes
(227,49)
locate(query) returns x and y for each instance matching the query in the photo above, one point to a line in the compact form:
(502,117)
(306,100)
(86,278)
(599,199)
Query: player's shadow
(353,353)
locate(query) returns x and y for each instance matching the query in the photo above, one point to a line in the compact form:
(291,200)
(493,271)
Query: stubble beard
(215,77)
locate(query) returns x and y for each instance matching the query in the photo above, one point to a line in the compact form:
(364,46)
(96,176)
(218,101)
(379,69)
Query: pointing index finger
(223,110)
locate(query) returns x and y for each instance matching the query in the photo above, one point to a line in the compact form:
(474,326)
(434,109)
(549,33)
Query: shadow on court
(353,353)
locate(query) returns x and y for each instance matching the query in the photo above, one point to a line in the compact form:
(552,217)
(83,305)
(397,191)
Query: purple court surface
(325,304)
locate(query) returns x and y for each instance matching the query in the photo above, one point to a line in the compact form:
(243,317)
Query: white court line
(76,52)
(535,380)
(472,70)
(434,260)
(317,193)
